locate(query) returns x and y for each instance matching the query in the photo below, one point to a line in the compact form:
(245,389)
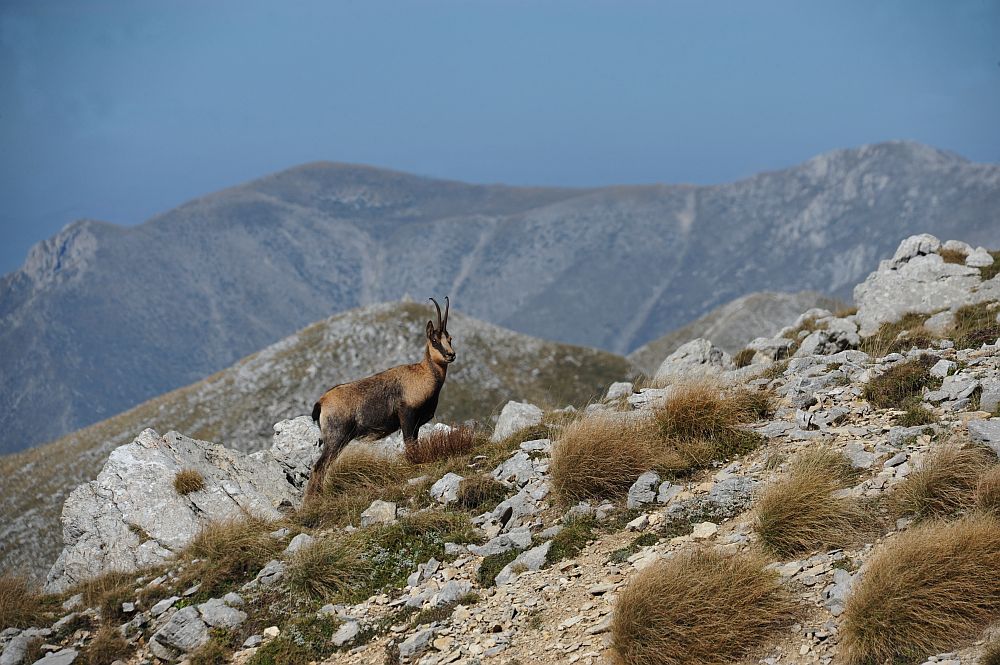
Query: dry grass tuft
(230,550)
(188,480)
(20,604)
(705,424)
(896,386)
(976,325)
(953,256)
(108,591)
(899,336)
(945,483)
(481,493)
(798,513)
(927,590)
(325,569)
(991,652)
(439,445)
(358,467)
(744,357)
(698,607)
(600,456)
(107,646)
(988,491)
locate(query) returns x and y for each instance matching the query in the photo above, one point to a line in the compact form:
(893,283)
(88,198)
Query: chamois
(403,397)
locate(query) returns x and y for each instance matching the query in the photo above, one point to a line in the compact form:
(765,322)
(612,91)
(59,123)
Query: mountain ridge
(109,316)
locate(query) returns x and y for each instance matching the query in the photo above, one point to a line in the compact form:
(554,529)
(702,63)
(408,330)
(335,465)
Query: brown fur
(403,397)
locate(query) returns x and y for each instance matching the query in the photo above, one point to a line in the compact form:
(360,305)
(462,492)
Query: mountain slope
(238,406)
(734,324)
(102,317)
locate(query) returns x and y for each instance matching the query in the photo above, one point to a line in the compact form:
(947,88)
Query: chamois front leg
(409,426)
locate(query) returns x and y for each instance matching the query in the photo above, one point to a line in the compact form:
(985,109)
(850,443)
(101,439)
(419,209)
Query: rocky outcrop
(131,516)
(917,279)
(698,357)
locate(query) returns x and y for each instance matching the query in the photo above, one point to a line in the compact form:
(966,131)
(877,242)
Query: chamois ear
(430,330)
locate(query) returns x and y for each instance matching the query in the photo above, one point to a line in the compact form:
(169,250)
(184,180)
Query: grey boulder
(514,417)
(699,357)
(184,632)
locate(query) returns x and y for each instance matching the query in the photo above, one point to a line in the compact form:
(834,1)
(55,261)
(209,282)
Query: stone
(517,469)
(980,258)
(163,605)
(233,599)
(895,460)
(514,417)
(299,542)
(940,323)
(532,559)
(131,516)
(537,445)
(379,512)
(916,245)
(450,592)
(62,657)
(619,389)
(184,632)
(986,431)
(445,490)
(704,530)
(942,368)
(514,539)
(859,457)
(667,491)
(269,575)
(293,446)
(217,614)
(643,490)
(989,399)
(272,632)
(698,357)
(253,641)
(415,643)
(347,632)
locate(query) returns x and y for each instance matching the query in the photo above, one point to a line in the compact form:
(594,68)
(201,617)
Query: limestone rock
(134,494)
(698,357)
(218,614)
(643,490)
(532,559)
(184,632)
(445,489)
(379,512)
(514,417)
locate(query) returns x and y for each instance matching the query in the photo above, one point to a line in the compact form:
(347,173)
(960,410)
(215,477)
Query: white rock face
(515,417)
(131,515)
(696,358)
(917,279)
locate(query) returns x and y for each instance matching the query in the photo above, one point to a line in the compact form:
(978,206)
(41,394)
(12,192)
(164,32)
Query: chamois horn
(438,308)
(447,306)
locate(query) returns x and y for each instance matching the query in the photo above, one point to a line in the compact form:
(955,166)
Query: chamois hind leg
(336,436)
(408,425)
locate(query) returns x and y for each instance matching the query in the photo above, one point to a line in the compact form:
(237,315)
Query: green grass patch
(574,536)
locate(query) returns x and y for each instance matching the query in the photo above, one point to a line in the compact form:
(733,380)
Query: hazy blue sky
(119,110)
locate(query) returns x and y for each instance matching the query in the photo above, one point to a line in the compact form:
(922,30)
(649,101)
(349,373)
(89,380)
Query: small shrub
(440,444)
(573,537)
(915,414)
(988,491)
(492,565)
(481,493)
(775,370)
(953,256)
(924,591)
(20,604)
(306,639)
(991,653)
(698,607)
(744,357)
(107,646)
(945,483)
(900,383)
(600,456)
(189,480)
(798,513)
(326,568)
(230,551)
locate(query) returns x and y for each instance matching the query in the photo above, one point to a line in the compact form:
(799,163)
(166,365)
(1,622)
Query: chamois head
(438,340)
